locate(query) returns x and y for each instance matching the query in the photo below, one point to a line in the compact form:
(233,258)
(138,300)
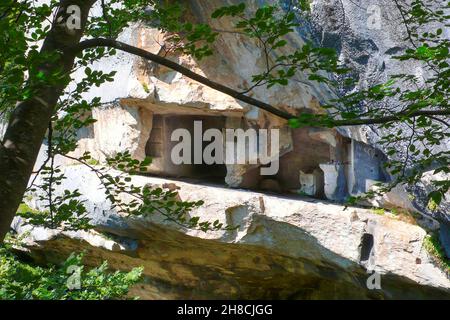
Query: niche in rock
(366,247)
(159,147)
(299,169)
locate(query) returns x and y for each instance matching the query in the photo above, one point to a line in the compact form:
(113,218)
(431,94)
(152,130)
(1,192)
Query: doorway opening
(159,147)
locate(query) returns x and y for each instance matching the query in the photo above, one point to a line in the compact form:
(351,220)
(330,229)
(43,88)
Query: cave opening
(303,166)
(366,247)
(299,168)
(159,147)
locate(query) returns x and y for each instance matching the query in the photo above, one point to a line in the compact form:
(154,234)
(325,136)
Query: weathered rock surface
(283,248)
(366,36)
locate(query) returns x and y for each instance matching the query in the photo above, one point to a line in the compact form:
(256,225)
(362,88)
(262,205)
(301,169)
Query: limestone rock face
(117,129)
(367,34)
(283,248)
(145,93)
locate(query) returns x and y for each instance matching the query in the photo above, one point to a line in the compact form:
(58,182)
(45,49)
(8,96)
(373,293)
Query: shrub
(70,281)
(433,246)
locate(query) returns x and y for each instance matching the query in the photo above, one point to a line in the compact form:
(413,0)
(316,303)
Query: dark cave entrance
(299,169)
(316,162)
(160,146)
(366,247)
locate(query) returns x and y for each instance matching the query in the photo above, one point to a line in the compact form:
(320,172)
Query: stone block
(311,183)
(335,185)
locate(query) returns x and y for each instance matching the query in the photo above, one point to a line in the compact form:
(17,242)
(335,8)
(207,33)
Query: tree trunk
(30,119)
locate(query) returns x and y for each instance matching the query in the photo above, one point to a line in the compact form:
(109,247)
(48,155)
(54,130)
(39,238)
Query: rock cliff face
(284,247)
(367,35)
(332,164)
(153,101)
(287,246)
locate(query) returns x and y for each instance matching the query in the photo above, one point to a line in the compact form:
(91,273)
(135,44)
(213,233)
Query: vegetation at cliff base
(434,247)
(70,281)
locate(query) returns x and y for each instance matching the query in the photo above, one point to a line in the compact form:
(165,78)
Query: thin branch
(100,42)
(36,173)
(396,117)
(410,143)
(51,155)
(440,120)
(105,16)
(101,176)
(406,24)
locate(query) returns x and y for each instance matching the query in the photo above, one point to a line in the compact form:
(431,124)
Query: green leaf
(436,197)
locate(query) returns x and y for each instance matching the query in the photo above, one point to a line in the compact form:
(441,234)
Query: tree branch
(396,117)
(440,120)
(101,42)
